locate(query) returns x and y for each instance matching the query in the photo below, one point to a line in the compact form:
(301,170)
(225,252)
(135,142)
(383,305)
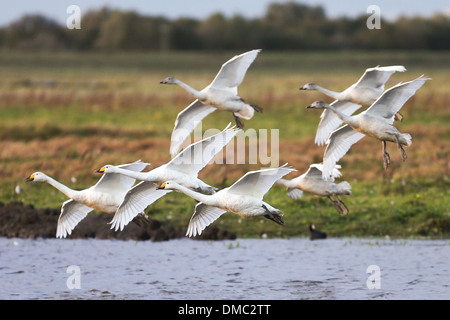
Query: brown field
(68,122)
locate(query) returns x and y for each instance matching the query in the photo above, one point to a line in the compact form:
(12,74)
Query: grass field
(67,114)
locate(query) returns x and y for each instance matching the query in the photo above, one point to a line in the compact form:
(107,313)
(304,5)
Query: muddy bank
(25,221)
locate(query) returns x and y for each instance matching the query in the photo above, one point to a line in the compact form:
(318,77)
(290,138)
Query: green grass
(309,62)
(69,113)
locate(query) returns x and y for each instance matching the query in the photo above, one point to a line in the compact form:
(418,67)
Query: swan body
(183,169)
(311,182)
(105,196)
(244,198)
(366,90)
(221,98)
(362,93)
(376,122)
(220,94)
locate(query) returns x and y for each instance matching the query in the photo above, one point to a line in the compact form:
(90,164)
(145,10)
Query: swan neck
(189,89)
(61,187)
(132,174)
(195,195)
(347,119)
(332,94)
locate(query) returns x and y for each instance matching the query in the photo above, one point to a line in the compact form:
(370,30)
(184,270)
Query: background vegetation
(68,112)
(284,26)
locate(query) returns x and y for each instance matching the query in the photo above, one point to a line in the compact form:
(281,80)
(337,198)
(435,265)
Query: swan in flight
(376,122)
(244,198)
(364,92)
(184,169)
(220,94)
(105,196)
(311,181)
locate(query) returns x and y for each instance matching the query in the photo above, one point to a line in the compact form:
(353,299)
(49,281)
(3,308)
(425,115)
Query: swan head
(168,185)
(309,86)
(318,105)
(106,169)
(37,176)
(168,80)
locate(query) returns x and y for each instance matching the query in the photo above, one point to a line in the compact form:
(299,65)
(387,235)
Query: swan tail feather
(344,188)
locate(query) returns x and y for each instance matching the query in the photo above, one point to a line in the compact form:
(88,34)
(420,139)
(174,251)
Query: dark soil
(24,221)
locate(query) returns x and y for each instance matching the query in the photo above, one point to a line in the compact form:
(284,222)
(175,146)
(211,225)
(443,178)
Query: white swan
(106,195)
(243,198)
(184,169)
(221,94)
(364,92)
(311,181)
(376,122)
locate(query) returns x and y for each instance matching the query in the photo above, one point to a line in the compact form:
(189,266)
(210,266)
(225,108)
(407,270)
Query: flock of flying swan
(117,192)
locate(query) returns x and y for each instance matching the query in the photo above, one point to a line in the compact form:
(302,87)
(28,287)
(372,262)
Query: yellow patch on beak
(30,178)
(162,186)
(101,170)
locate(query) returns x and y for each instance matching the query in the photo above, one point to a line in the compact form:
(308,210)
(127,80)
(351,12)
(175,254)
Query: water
(251,269)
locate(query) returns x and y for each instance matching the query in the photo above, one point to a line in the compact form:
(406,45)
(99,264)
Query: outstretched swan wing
(197,155)
(257,183)
(393,99)
(233,71)
(339,143)
(118,182)
(72,212)
(203,216)
(329,121)
(185,123)
(136,200)
(378,76)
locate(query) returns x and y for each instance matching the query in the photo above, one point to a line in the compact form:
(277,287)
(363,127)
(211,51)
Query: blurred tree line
(284,26)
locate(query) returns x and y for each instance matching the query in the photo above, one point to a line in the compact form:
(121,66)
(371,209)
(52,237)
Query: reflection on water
(276,269)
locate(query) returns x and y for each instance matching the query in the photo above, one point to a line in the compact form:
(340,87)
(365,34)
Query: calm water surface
(278,269)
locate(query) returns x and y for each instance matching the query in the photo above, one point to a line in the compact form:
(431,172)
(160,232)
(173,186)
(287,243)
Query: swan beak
(101,170)
(302,88)
(30,178)
(308,107)
(161,187)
